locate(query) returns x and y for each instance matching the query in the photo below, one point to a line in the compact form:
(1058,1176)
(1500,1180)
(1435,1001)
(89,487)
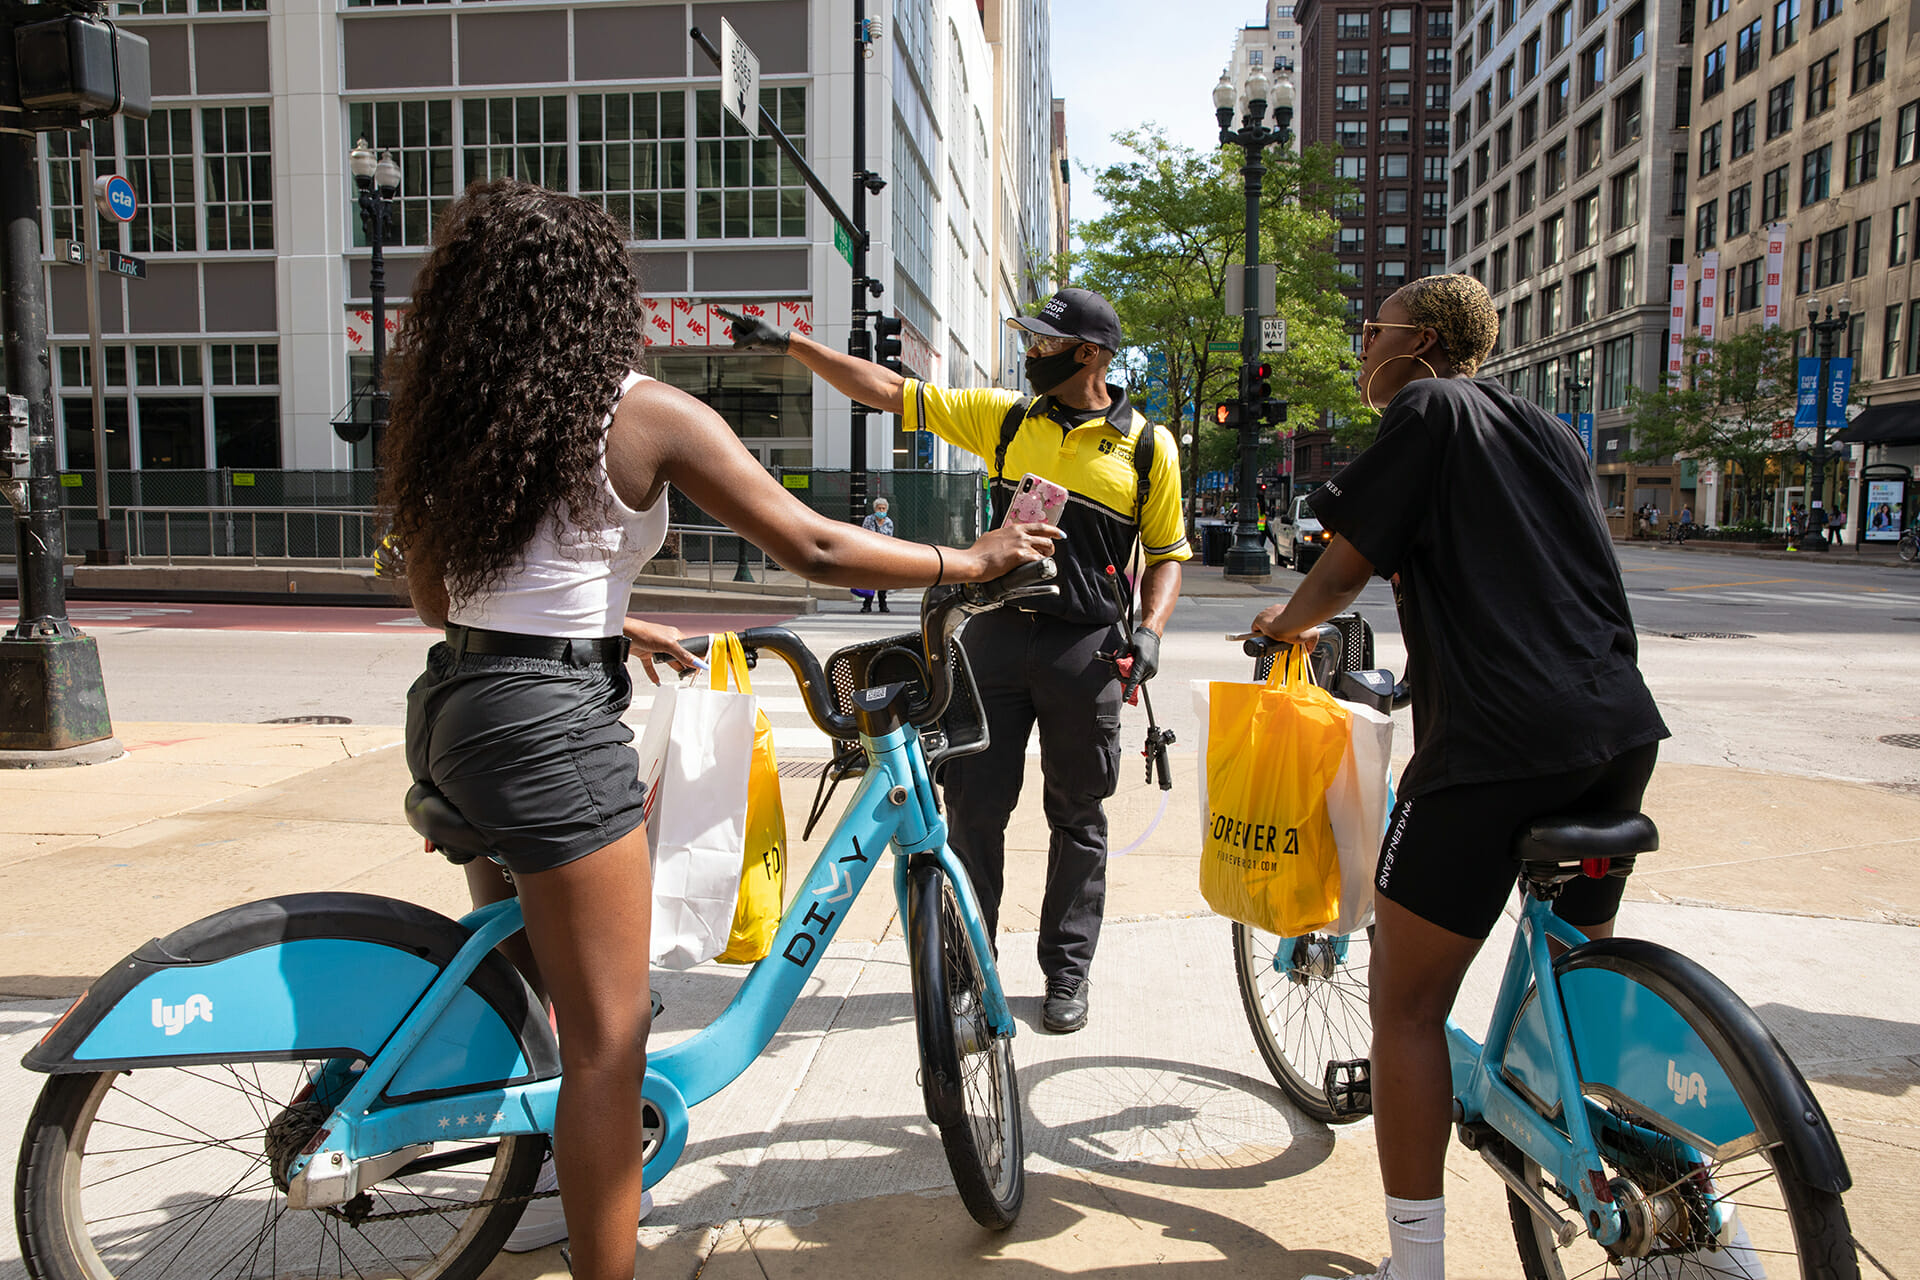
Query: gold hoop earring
(1366,392)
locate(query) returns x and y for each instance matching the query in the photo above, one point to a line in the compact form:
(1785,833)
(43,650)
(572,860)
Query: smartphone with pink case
(1036,501)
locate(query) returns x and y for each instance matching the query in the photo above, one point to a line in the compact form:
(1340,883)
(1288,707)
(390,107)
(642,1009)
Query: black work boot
(1065,1008)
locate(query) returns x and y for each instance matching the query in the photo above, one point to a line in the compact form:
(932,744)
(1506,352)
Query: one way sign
(1273,333)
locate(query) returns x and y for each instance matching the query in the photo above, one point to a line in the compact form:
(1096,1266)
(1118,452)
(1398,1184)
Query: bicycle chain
(357,1220)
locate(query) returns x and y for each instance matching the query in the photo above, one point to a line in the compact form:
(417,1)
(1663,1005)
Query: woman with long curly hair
(526,469)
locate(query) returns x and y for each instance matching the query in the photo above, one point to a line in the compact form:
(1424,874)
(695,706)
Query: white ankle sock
(1417,1230)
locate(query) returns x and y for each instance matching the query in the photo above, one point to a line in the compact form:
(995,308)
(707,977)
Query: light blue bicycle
(1692,1148)
(342,1085)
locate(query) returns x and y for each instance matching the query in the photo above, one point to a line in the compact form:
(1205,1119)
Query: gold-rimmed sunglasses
(1040,345)
(1371,329)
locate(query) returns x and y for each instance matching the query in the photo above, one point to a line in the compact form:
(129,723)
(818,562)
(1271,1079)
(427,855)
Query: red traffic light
(1263,371)
(1227,415)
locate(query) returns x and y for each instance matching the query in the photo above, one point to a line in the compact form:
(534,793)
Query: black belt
(507,644)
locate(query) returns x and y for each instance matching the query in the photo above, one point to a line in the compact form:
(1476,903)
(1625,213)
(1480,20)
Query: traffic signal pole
(857,335)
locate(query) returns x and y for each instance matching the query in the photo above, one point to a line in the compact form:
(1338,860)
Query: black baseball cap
(1080,314)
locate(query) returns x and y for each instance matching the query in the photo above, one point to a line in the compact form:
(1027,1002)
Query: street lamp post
(1248,558)
(379,183)
(1827,334)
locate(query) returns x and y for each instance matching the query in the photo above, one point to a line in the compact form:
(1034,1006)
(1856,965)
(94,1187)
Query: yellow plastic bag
(1267,853)
(763,874)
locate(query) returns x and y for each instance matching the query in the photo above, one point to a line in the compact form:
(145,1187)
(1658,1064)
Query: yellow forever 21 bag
(1267,852)
(763,874)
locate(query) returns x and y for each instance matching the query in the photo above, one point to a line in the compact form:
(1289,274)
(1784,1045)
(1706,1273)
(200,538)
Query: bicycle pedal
(1349,1088)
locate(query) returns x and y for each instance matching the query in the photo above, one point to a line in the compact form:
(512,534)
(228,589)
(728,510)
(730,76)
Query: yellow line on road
(1754,582)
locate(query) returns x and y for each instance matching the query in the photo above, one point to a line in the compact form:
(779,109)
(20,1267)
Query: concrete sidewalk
(1156,1137)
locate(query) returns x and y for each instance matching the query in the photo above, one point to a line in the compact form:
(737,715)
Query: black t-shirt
(1520,645)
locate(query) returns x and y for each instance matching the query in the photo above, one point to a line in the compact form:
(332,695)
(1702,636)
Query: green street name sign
(843,242)
(1227,347)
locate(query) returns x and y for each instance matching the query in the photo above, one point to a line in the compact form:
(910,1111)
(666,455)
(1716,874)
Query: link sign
(739,78)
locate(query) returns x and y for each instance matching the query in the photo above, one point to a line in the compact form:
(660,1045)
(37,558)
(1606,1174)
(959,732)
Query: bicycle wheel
(972,1092)
(181,1172)
(1306,1001)
(1781,1224)
(1910,548)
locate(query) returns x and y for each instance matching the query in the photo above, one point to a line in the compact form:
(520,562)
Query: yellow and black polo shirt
(1093,460)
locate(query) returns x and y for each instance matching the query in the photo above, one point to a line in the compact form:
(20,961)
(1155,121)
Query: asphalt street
(1793,667)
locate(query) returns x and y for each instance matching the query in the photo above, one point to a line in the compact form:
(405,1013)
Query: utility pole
(53,700)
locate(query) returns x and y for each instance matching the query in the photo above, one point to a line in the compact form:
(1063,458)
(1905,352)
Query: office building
(251,331)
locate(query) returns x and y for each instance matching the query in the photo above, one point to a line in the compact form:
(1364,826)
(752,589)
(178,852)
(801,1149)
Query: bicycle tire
(1792,1217)
(213,1208)
(1909,549)
(1306,1008)
(967,1072)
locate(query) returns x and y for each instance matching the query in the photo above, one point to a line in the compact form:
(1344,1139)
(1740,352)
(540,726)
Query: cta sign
(114,195)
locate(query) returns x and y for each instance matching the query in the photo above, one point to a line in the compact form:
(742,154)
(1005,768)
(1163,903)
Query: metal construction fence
(329,515)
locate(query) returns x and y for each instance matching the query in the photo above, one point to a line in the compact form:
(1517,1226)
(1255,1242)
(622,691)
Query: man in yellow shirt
(1049,665)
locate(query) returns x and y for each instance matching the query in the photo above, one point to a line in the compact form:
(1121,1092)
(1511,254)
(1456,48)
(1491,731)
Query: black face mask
(1044,373)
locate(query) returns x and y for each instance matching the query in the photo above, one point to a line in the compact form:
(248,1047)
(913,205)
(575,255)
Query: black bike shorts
(1448,855)
(531,751)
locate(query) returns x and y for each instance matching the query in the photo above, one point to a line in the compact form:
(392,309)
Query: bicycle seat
(433,816)
(1554,850)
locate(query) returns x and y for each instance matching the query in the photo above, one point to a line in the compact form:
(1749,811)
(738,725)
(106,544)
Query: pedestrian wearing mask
(1050,664)
(1527,694)
(878,522)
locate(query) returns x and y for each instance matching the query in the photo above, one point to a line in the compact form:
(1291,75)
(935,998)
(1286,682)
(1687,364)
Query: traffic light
(887,349)
(1260,396)
(1228,414)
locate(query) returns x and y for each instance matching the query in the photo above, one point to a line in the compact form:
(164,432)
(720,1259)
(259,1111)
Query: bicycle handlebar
(942,613)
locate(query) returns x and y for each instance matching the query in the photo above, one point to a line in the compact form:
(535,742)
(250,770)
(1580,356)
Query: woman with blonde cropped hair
(1527,695)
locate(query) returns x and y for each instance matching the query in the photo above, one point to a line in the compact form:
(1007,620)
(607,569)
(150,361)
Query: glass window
(1906,129)
(1586,220)
(1626,116)
(160,166)
(1899,227)
(1550,310)
(1740,130)
(1351,26)
(1716,10)
(1623,199)
(1352,168)
(1399,22)
(1830,258)
(1498,284)
(1710,149)
(1482,156)
(1890,349)
(1773,195)
(1523,189)
(1870,58)
(1746,50)
(1522,320)
(1706,226)
(1677,187)
(1503,146)
(1633,34)
(419,135)
(246,432)
(633,160)
(1502,208)
(1779,109)
(524,138)
(245,364)
(1786,24)
(1616,372)
(1825,11)
(1523,255)
(1560,29)
(1816,174)
(1683,99)
(1350,133)
(173,433)
(1399,93)
(77,411)
(1862,247)
(1433,204)
(1394,166)
(1530,64)
(1399,57)
(1553,240)
(1559,96)
(1350,62)
(1396,129)
(1556,180)
(69,190)
(1585,302)
(1713,73)
(1593,69)
(1529,122)
(1748,285)
(1350,97)
(1433,168)
(1913,345)
(1863,154)
(1820,85)
(1740,210)
(238,148)
(1623,280)
(744,187)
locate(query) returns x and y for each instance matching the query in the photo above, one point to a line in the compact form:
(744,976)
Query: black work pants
(1036,670)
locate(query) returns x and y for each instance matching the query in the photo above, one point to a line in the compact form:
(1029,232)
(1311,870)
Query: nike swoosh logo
(1408,1222)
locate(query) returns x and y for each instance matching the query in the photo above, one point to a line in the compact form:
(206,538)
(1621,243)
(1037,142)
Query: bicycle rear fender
(321,975)
(1624,999)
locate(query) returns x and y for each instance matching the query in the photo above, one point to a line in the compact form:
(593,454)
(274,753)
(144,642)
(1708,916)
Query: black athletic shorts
(1448,854)
(531,751)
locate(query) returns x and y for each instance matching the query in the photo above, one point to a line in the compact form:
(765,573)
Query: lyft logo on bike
(1686,1087)
(175,1018)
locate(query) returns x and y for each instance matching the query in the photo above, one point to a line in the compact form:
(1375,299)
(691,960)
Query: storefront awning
(1885,424)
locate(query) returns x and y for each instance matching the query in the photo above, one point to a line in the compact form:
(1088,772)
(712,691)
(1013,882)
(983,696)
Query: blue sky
(1124,63)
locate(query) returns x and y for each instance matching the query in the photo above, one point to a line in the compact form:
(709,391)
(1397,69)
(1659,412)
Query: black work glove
(1145,652)
(753,334)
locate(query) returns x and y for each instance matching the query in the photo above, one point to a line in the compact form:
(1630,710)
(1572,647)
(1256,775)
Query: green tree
(1735,406)
(1175,223)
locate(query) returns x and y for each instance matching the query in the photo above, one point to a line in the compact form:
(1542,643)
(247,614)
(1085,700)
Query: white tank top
(574,582)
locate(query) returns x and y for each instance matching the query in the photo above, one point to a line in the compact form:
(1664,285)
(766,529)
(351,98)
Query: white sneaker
(544,1222)
(1384,1273)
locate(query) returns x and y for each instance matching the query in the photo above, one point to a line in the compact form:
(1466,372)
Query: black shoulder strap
(1143,472)
(1009,428)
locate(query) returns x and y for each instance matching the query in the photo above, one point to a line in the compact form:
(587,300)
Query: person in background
(877,521)
(1544,713)
(525,474)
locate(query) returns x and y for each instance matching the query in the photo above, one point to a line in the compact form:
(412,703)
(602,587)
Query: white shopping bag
(1357,808)
(695,758)
(1356,803)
